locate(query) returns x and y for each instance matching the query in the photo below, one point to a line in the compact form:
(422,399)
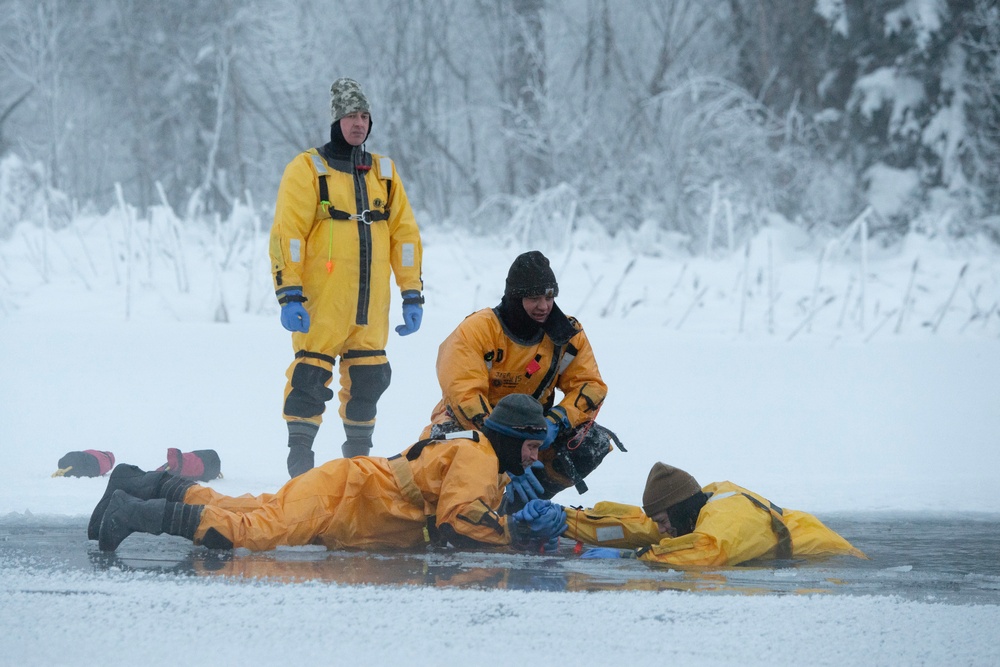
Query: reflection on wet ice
(942,558)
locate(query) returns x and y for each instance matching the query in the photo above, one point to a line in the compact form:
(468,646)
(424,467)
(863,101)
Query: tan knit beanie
(665,487)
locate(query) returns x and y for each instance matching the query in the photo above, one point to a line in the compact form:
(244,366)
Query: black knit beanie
(531,275)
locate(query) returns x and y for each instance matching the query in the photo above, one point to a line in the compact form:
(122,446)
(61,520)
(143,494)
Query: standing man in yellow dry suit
(443,490)
(341,222)
(526,344)
(682,524)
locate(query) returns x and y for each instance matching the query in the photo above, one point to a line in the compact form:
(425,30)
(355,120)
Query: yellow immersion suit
(479,363)
(731,529)
(339,229)
(449,486)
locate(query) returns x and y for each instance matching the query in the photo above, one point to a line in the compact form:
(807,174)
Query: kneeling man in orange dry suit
(683,524)
(444,490)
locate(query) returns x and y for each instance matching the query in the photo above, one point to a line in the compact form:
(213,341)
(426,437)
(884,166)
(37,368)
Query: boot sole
(108,536)
(94,527)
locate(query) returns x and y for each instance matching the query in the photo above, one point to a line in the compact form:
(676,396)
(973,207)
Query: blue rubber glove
(294,316)
(603,552)
(556,423)
(552,524)
(413,313)
(544,518)
(523,488)
(551,546)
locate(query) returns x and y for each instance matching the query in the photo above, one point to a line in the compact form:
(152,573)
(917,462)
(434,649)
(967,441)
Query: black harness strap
(358,354)
(350,354)
(388,190)
(550,375)
(316,355)
(324,191)
(414,451)
(337,214)
(784,547)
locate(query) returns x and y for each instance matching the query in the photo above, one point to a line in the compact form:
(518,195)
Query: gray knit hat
(346,97)
(665,487)
(516,418)
(518,415)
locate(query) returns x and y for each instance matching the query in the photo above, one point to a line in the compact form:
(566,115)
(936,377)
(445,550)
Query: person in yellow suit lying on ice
(444,490)
(683,524)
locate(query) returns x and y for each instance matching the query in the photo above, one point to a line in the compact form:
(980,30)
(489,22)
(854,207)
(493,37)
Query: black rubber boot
(300,459)
(300,441)
(126,515)
(359,440)
(139,484)
(356,447)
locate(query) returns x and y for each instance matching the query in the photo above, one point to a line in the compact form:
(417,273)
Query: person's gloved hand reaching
(557,422)
(294,316)
(607,552)
(539,520)
(526,487)
(413,313)
(551,546)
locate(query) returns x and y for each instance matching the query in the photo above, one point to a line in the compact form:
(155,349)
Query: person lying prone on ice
(444,490)
(682,524)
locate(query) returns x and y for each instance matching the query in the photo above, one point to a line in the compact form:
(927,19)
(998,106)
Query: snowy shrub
(832,196)
(893,193)
(23,197)
(545,220)
(735,161)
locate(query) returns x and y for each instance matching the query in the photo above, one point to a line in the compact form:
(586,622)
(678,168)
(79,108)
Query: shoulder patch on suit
(720,496)
(318,163)
(462,435)
(385,167)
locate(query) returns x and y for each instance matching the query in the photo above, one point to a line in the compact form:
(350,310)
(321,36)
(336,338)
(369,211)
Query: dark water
(954,560)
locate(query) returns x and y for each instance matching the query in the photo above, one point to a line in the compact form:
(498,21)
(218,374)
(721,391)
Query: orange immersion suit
(479,363)
(735,526)
(447,486)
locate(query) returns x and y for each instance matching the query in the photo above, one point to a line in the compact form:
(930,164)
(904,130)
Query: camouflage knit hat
(346,97)
(665,487)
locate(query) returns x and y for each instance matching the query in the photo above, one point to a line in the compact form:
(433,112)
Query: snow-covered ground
(771,368)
